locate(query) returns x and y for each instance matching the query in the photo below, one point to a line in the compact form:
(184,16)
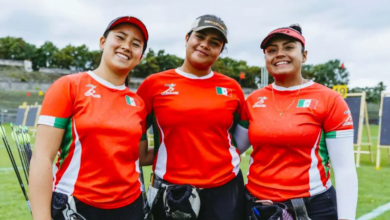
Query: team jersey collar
(292,88)
(105,82)
(192,76)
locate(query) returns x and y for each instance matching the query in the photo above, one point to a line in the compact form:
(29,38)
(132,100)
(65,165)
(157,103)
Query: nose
(204,44)
(279,53)
(125,47)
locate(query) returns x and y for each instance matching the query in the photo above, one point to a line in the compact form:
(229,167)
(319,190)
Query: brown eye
(199,36)
(271,50)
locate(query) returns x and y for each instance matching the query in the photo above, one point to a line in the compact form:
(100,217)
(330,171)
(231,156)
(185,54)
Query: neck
(285,81)
(189,68)
(115,78)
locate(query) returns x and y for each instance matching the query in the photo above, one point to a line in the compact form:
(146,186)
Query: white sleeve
(242,139)
(341,154)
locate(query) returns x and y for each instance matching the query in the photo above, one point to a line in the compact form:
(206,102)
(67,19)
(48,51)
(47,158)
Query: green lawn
(373,184)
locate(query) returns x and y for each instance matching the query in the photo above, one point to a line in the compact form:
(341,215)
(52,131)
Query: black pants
(319,207)
(226,202)
(134,211)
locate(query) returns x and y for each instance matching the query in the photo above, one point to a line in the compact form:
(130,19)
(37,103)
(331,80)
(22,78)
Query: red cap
(130,20)
(283,31)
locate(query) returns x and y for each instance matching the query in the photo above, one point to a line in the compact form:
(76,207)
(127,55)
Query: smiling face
(122,48)
(203,48)
(284,56)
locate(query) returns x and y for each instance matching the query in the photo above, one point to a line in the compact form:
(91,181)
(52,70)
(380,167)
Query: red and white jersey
(290,157)
(193,118)
(98,157)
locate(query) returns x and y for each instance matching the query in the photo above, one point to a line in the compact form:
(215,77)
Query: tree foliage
(373,94)
(80,58)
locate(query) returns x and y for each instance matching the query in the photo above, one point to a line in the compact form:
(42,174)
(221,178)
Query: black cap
(210,21)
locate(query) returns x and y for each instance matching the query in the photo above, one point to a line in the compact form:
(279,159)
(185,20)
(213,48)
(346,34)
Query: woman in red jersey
(193,112)
(95,123)
(296,127)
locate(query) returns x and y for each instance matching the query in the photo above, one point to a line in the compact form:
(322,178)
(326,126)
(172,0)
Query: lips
(279,63)
(203,53)
(123,56)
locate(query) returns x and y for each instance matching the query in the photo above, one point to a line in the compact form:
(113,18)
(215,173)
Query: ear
(102,42)
(186,38)
(304,56)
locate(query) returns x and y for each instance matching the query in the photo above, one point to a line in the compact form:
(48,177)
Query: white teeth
(280,63)
(123,56)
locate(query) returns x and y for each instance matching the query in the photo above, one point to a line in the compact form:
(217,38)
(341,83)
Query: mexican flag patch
(131,101)
(224,91)
(307,103)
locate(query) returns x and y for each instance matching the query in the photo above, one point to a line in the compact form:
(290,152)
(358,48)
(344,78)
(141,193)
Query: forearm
(242,139)
(342,158)
(148,159)
(146,154)
(347,193)
(40,187)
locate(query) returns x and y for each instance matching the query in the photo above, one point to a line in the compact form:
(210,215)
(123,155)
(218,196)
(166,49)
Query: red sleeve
(143,115)
(241,97)
(57,106)
(144,91)
(338,116)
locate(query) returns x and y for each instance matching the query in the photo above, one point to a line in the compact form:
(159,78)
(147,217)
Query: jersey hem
(293,197)
(110,205)
(206,186)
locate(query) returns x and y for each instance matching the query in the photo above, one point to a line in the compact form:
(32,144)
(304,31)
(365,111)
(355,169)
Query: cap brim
(216,28)
(273,34)
(130,20)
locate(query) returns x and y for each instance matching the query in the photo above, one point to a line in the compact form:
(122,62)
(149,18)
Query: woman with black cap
(297,127)
(95,123)
(193,111)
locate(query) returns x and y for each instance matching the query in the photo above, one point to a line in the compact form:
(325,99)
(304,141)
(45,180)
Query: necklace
(281,111)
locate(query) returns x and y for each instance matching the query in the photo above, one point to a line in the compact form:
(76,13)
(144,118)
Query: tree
(63,58)
(373,94)
(16,49)
(329,73)
(95,57)
(43,56)
(308,71)
(82,57)
(168,61)
(148,65)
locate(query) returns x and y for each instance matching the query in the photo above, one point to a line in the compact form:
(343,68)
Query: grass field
(374,185)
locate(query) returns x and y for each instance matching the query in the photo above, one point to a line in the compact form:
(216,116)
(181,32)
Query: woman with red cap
(194,111)
(297,127)
(95,123)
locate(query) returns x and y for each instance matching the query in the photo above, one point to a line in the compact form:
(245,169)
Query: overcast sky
(355,31)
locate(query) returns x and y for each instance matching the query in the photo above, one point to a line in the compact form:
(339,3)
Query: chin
(201,66)
(280,74)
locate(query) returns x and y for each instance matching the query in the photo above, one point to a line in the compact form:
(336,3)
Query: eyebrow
(292,41)
(214,38)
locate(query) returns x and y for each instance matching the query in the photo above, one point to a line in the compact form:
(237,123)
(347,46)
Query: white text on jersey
(91,91)
(170,91)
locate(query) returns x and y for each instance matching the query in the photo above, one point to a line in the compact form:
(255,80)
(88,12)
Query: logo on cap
(214,23)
